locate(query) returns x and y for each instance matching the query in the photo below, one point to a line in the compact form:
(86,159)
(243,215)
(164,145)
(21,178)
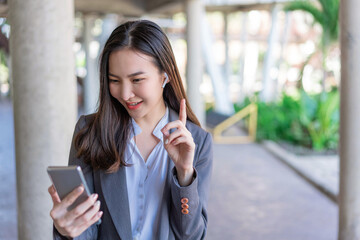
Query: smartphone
(66,179)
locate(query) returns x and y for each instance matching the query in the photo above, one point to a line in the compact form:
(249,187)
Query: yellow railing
(218,131)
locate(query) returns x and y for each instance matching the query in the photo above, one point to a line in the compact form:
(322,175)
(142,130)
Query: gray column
(227,63)
(110,22)
(194,65)
(243,38)
(91,81)
(349,196)
(44,87)
(222,98)
(269,84)
(281,64)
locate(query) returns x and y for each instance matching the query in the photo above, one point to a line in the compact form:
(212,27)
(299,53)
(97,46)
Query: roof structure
(137,8)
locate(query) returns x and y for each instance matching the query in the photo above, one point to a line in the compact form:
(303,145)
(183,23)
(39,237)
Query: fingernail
(80,189)
(166,141)
(100,213)
(94,196)
(97,203)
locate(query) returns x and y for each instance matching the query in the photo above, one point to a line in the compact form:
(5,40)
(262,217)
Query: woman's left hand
(180,146)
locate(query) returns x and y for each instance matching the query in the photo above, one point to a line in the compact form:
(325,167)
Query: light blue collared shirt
(145,185)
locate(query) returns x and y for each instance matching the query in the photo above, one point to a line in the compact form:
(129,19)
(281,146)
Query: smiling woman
(143,153)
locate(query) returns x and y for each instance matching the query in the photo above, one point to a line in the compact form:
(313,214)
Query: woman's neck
(148,123)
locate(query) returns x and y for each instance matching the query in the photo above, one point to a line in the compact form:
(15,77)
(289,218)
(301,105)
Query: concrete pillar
(243,38)
(91,81)
(227,67)
(110,22)
(44,99)
(194,65)
(269,83)
(222,100)
(281,65)
(349,195)
(251,60)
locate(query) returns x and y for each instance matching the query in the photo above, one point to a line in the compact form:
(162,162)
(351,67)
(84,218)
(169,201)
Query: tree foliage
(324,12)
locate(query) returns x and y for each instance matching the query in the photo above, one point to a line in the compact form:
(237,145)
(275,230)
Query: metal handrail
(250,110)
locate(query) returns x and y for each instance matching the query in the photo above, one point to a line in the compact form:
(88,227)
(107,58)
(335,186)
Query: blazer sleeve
(192,224)
(92,231)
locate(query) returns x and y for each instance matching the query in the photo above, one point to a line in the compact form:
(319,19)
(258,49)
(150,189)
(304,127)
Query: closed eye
(136,80)
(113,80)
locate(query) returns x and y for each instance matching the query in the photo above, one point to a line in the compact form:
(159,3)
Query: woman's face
(136,82)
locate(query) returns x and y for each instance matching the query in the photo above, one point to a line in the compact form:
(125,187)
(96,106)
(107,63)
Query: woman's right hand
(73,223)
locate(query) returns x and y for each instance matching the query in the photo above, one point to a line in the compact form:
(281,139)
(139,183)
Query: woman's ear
(166,79)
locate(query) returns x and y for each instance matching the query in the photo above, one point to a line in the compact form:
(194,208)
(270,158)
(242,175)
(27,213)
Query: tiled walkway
(253,195)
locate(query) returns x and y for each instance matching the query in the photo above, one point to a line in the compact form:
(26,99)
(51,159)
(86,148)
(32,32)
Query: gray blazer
(113,195)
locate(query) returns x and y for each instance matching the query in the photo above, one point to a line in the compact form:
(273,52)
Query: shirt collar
(164,120)
(157,131)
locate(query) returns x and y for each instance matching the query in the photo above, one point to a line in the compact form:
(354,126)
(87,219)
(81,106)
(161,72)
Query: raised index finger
(182,114)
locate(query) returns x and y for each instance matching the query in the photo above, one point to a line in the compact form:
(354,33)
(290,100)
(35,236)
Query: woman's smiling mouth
(134,105)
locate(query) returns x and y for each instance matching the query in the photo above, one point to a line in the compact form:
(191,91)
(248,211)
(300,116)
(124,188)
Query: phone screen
(66,179)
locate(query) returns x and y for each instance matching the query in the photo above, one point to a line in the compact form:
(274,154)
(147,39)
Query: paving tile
(254,196)
(321,170)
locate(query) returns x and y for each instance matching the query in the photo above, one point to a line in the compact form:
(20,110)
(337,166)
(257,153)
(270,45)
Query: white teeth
(133,104)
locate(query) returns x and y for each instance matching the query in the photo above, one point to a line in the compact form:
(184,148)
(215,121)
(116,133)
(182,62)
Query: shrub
(308,120)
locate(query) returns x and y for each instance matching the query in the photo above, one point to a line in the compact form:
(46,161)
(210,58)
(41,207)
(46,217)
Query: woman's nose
(127,92)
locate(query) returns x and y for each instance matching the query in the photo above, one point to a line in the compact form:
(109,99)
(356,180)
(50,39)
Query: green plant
(320,115)
(308,120)
(324,12)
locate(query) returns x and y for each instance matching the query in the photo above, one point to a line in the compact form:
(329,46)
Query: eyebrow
(130,75)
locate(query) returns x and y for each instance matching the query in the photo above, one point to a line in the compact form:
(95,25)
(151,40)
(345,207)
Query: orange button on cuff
(185,211)
(184,206)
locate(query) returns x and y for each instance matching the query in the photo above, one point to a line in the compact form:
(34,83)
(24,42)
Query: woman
(143,153)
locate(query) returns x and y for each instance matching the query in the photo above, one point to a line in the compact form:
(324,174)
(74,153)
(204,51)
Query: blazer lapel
(116,197)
